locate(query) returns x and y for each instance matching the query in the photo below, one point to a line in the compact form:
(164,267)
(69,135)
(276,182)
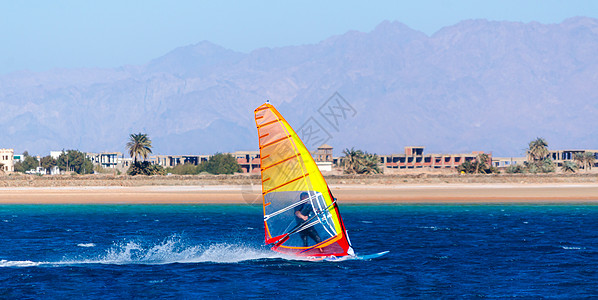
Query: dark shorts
(309,232)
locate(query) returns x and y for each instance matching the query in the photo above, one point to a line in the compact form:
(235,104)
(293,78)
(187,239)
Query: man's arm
(300,215)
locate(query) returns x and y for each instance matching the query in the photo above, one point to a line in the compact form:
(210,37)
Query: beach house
(7,160)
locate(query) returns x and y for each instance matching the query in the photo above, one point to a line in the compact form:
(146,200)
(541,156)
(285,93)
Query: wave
(571,248)
(170,251)
(173,250)
(21,263)
(434,228)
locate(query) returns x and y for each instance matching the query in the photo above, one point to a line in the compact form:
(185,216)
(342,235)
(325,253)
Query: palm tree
(370,163)
(569,166)
(482,163)
(351,160)
(359,162)
(580,159)
(139,145)
(538,149)
(585,159)
(590,159)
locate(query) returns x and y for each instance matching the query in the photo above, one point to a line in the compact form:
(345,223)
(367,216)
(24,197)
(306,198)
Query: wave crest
(18,263)
(173,250)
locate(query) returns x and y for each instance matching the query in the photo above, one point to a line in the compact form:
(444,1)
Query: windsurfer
(302,212)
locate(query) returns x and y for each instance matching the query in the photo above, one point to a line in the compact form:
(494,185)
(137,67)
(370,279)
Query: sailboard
(301,216)
(351,257)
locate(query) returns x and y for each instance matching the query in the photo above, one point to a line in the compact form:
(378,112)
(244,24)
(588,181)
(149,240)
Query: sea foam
(19,263)
(171,250)
(174,250)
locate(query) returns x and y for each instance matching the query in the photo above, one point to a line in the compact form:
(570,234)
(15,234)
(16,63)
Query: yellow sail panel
(290,181)
(282,168)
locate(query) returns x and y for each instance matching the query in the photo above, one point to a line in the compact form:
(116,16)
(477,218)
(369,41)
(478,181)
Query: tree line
(69,160)
(539,161)
(353,162)
(140,146)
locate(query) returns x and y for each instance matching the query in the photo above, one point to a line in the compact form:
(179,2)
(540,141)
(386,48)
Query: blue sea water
(210,251)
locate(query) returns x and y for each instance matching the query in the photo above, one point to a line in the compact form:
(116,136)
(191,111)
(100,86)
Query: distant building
(323,158)
(56,154)
(123,163)
(7,160)
(557,156)
(109,160)
(248,160)
(324,166)
(170,161)
(324,153)
(414,158)
(560,156)
(42,171)
(505,162)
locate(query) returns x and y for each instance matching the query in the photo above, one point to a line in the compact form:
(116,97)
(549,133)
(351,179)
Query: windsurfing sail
(301,216)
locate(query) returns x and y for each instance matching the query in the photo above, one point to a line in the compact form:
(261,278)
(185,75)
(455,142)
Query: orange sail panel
(300,215)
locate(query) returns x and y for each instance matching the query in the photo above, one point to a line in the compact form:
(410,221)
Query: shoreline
(106,180)
(452,193)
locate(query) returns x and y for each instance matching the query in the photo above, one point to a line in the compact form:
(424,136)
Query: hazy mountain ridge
(476,85)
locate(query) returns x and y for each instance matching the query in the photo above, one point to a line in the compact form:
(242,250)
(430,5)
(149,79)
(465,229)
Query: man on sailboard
(302,212)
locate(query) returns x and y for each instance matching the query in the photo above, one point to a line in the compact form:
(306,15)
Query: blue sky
(42,35)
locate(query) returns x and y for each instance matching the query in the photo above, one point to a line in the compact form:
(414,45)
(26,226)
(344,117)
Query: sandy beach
(345,193)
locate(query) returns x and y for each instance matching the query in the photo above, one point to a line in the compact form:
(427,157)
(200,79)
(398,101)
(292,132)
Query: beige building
(414,158)
(505,162)
(248,160)
(557,156)
(560,156)
(323,158)
(169,161)
(7,160)
(323,154)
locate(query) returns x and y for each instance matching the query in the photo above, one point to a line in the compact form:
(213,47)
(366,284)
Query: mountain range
(475,86)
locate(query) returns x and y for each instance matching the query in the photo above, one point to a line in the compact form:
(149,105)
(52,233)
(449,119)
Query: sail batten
(294,225)
(266,124)
(288,182)
(281,161)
